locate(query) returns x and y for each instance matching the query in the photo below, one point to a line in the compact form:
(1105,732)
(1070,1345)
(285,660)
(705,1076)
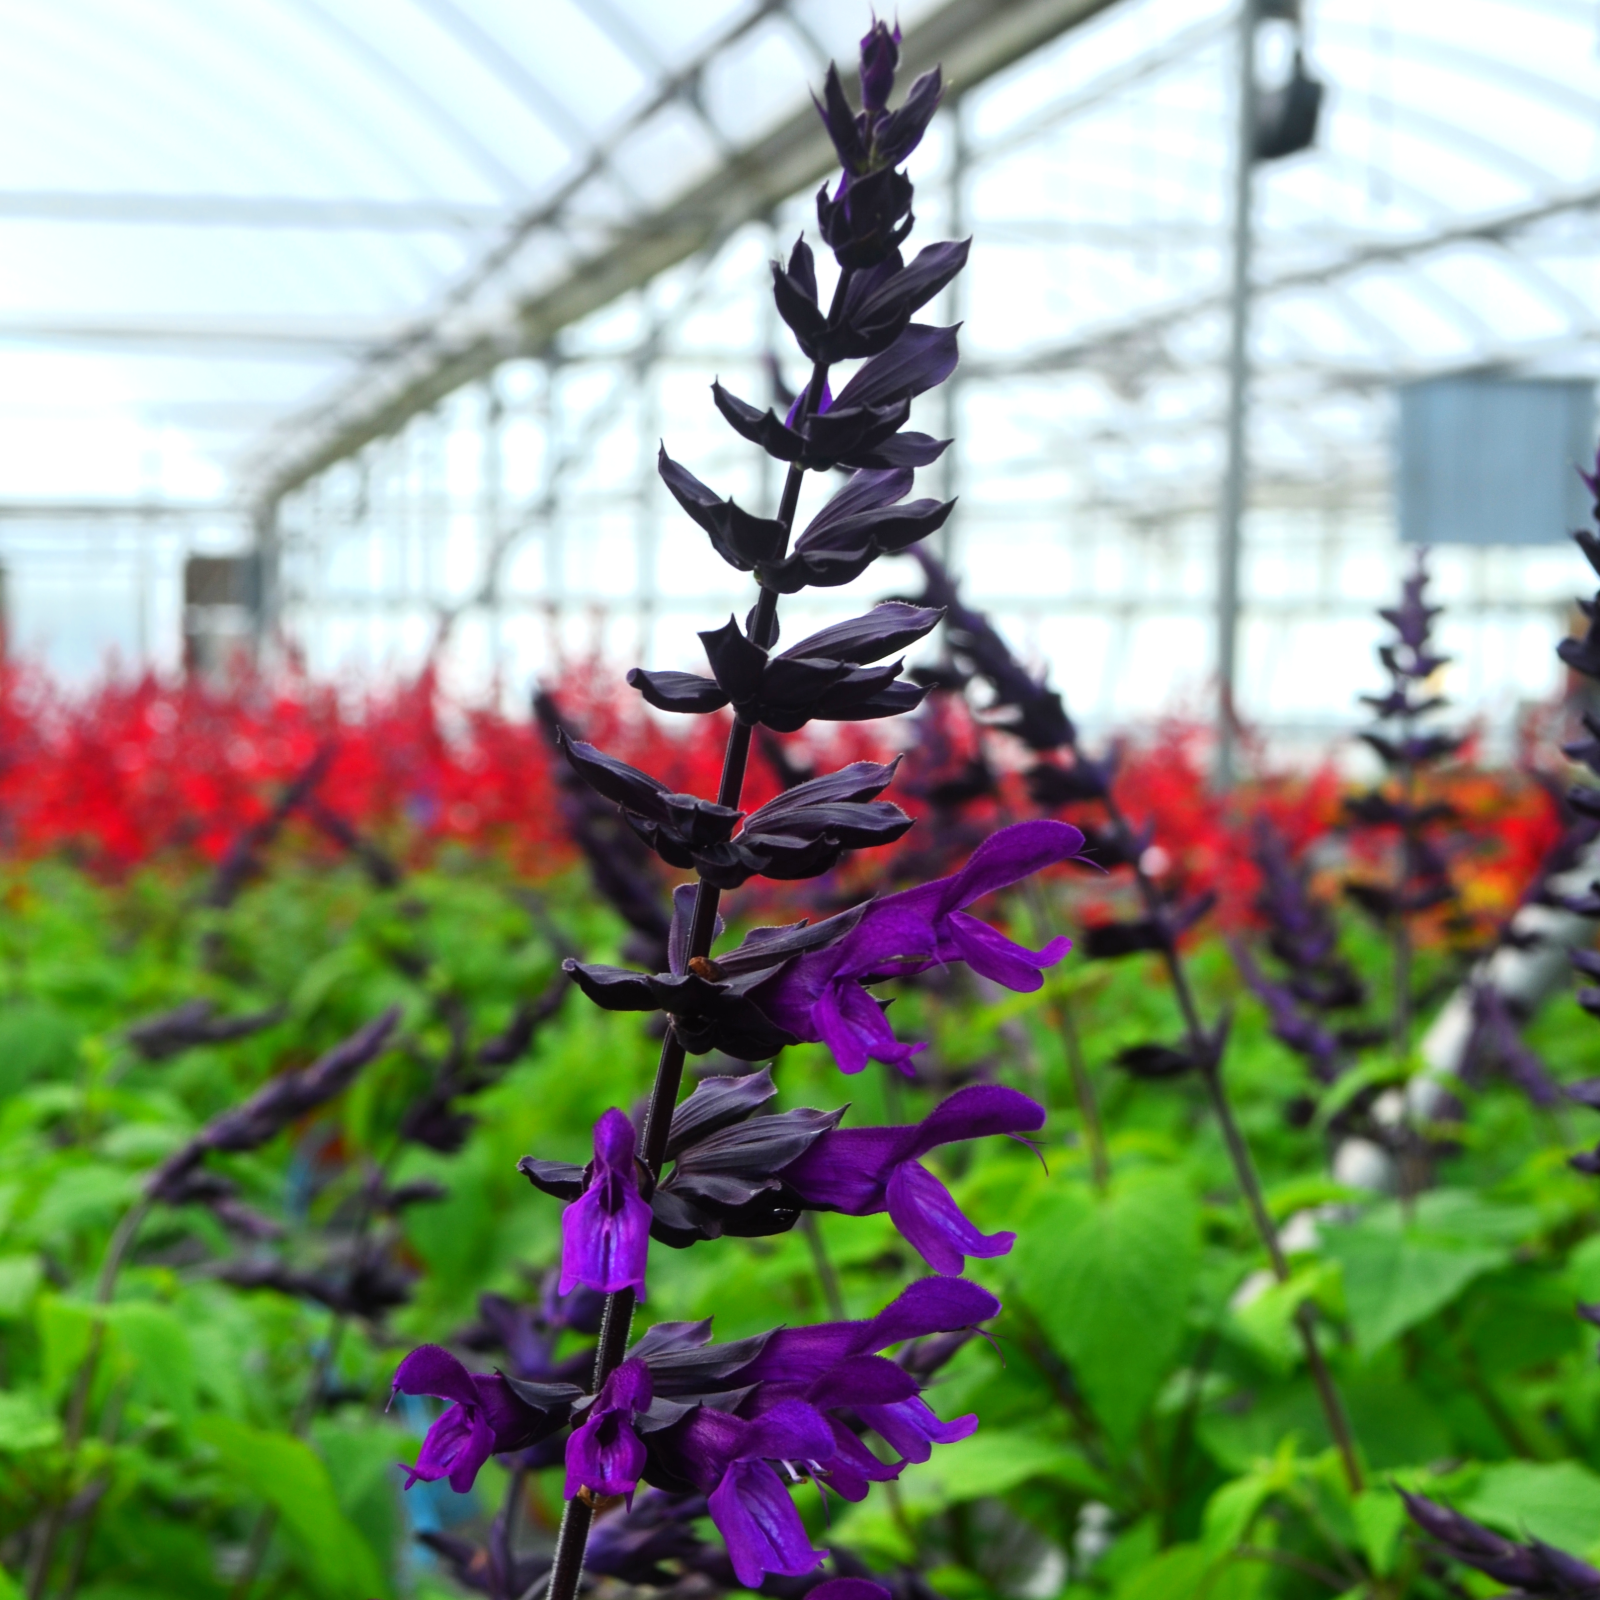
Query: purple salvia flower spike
(605,1233)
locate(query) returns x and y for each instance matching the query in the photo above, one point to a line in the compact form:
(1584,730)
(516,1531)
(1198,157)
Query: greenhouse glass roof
(250,243)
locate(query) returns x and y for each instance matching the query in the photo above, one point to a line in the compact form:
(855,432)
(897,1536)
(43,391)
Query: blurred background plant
(211,1257)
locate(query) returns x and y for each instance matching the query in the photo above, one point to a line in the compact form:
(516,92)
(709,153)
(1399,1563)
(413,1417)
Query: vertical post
(955,306)
(647,527)
(491,522)
(1237,469)
(264,618)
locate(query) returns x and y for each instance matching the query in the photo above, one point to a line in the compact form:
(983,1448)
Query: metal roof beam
(1491,229)
(972,38)
(251,211)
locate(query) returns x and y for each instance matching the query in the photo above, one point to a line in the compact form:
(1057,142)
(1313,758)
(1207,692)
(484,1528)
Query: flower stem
(827,1277)
(78,1406)
(617,1320)
(1244,1167)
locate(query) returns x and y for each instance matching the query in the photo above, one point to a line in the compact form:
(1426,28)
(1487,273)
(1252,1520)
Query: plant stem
(1060,1009)
(78,1406)
(617,1319)
(826,1276)
(1245,1170)
(1244,1167)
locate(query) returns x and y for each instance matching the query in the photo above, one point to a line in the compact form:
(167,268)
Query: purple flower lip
(605,1455)
(605,1233)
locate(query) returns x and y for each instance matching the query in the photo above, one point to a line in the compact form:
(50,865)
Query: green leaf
(35,1042)
(19,1283)
(27,1422)
(1398,1273)
(291,1477)
(1189,1572)
(64,1331)
(81,1198)
(1379,1515)
(1108,1282)
(1557,1501)
(992,1462)
(1267,1318)
(154,1343)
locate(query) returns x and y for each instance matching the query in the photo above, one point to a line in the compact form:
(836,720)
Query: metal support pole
(491,521)
(1237,470)
(647,524)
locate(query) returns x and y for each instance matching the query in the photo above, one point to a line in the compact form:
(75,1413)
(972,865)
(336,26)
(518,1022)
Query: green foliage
(1149,1429)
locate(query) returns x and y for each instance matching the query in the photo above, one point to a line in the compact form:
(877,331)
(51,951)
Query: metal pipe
(1237,469)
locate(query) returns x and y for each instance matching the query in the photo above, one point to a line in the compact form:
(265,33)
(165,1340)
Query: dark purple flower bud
(605,1233)
(878,303)
(742,540)
(865,520)
(194,1023)
(1538,1571)
(1034,712)
(861,1171)
(823,677)
(821,996)
(880,55)
(486,1418)
(798,834)
(1302,1033)
(605,1455)
(276,1104)
(857,429)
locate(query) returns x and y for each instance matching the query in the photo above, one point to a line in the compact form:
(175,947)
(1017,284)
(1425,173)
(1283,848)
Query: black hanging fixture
(1286,116)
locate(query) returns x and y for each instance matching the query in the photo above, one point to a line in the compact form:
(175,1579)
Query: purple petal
(933,1224)
(758,1521)
(848,1589)
(431,1370)
(614,1143)
(456,1447)
(861,1381)
(790,1431)
(846,1170)
(605,1456)
(993,956)
(854,1467)
(972,1113)
(930,1305)
(912,1429)
(602,1249)
(629,1388)
(1009,855)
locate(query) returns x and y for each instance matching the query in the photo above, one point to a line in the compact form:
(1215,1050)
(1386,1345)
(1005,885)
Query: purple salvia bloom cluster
(729,1428)
(735,1172)
(682,1412)
(1303,937)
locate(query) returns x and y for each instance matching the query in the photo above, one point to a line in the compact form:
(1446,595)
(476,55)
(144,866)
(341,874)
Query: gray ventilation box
(1494,460)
